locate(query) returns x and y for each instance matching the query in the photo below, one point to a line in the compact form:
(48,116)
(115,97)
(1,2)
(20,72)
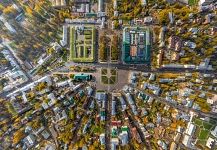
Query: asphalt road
(142,68)
(133,121)
(108,122)
(134,67)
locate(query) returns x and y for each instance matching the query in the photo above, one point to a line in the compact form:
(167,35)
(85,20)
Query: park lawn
(104,79)
(113,72)
(112,79)
(203,134)
(207,125)
(198,122)
(98,129)
(82,59)
(201,142)
(192,2)
(72,32)
(104,71)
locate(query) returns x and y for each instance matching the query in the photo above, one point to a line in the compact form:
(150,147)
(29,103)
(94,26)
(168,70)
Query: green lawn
(113,72)
(104,71)
(198,122)
(207,125)
(113,80)
(104,79)
(203,130)
(98,129)
(192,2)
(203,134)
(72,31)
(201,142)
(104,76)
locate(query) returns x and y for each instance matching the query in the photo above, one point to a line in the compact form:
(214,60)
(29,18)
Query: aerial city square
(108,74)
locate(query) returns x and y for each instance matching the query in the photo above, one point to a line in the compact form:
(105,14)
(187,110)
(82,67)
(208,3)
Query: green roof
(82,77)
(124,129)
(142,54)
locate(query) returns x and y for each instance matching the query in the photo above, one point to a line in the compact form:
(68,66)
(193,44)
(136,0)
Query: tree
(18,135)
(114,48)
(11,108)
(103,48)
(8,10)
(41,86)
(66,136)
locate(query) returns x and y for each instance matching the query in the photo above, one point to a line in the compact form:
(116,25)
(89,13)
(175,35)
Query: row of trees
(103,47)
(130,9)
(115,48)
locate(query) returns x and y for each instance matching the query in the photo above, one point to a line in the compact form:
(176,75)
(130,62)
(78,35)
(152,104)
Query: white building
(62,84)
(115,4)
(143,2)
(64,40)
(114,143)
(102,138)
(29,140)
(205,2)
(113,112)
(124,137)
(57,3)
(171,17)
(190,129)
(214,132)
(209,142)
(101,96)
(152,77)
(100,5)
(187,141)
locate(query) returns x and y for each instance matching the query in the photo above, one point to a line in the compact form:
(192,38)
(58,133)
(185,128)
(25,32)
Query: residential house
(188,141)
(113,111)
(171,17)
(162,144)
(210,142)
(102,138)
(64,40)
(173,146)
(100,5)
(124,137)
(58,3)
(175,43)
(205,2)
(214,132)
(162,36)
(152,77)
(114,143)
(29,141)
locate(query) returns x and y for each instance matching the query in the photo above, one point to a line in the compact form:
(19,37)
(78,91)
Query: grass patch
(198,122)
(112,79)
(192,2)
(201,142)
(104,80)
(203,134)
(113,72)
(98,129)
(207,125)
(104,71)
(104,76)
